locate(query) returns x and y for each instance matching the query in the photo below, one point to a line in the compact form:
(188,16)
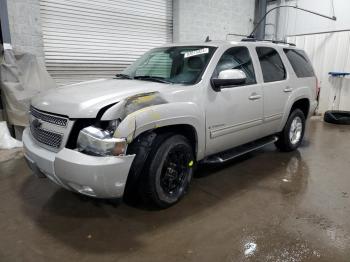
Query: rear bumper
(101,177)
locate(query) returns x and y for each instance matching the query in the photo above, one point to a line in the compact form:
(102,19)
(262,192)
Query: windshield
(178,65)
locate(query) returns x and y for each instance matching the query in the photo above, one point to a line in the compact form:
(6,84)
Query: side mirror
(228,78)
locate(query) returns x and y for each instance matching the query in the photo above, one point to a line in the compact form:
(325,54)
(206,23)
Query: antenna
(251,35)
(207,39)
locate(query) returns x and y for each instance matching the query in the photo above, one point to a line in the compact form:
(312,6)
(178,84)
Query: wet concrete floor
(267,206)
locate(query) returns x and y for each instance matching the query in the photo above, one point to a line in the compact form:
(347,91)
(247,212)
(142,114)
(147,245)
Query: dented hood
(84,100)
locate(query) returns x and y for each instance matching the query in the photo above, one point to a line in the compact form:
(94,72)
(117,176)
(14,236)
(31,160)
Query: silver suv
(143,132)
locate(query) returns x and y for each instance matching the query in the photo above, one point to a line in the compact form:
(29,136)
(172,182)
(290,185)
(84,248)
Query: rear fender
(300,93)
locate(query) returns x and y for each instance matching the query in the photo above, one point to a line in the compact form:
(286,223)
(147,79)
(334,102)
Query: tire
(141,148)
(337,117)
(288,139)
(168,172)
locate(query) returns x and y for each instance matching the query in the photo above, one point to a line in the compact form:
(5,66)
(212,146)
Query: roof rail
(250,39)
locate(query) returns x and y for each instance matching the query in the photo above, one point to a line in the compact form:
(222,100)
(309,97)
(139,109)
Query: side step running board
(239,151)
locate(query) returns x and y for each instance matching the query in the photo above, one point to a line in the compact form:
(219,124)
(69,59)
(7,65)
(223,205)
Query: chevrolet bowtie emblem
(36,123)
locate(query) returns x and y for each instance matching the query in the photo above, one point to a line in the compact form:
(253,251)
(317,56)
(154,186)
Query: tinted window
(271,64)
(300,63)
(237,58)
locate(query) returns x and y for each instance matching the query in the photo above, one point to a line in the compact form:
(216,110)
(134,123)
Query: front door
(234,115)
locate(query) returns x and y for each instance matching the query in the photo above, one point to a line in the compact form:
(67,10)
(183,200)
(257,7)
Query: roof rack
(250,39)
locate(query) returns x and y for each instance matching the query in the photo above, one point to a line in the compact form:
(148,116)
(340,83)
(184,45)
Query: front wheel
(292,135)
(168,172)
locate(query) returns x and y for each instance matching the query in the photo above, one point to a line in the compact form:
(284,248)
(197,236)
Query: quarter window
(271,64)
(300,63)
(237,58)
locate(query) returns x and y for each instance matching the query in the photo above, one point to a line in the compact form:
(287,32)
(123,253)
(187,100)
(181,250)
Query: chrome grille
(46,137)
(49,130)
(52,119)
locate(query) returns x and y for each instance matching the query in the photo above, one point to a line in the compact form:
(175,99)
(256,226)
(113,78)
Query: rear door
(276,87)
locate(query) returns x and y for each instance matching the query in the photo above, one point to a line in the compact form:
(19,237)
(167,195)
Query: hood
(84,100)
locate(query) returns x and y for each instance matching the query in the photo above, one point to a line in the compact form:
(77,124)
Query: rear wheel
(292,135)
(168,172)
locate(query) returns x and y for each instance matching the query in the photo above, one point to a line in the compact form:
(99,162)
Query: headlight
(95,141)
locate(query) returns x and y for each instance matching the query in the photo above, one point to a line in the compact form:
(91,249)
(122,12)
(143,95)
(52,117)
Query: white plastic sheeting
(6,140)
(329,53)
(21,78)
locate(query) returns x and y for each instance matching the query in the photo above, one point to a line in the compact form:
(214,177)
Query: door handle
(288,89)
(254,96)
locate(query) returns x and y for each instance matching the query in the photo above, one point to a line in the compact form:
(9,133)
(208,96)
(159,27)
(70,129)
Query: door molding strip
(235,128)
(273,117)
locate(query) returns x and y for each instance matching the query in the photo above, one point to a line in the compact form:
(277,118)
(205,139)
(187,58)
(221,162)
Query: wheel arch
(147,137)
(303,103)
(186,130)
(143,144)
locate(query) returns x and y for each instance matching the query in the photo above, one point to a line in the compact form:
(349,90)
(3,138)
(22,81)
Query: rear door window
(271,64)
(300,63)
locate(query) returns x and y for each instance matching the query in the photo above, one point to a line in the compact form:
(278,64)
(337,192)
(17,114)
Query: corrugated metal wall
(329,52)
(86,39)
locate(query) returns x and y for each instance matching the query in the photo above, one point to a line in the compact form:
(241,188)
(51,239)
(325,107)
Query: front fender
(167,114)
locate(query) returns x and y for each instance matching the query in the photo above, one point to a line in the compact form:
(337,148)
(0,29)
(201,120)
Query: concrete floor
(267,206)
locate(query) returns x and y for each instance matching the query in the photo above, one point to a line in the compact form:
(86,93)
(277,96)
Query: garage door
(86,39)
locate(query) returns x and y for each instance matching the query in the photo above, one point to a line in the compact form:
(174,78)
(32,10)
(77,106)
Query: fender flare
(163,115)
(292,99)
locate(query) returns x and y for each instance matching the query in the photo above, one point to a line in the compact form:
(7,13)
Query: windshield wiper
(153,78)
(123,76)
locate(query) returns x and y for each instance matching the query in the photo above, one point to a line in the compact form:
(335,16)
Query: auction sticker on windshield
(196,52)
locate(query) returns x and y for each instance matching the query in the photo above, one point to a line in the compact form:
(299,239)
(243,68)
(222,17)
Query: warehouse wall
(288,21)
(196,19)
(328,52)
(25,26)
(193,20)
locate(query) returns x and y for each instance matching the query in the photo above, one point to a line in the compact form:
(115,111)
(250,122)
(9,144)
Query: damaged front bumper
(101,177)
